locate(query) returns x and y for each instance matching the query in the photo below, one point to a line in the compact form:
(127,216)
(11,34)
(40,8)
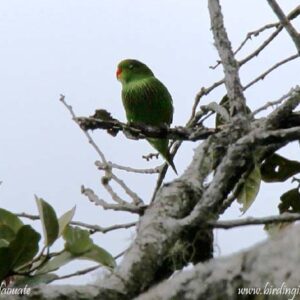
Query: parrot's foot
(150,156)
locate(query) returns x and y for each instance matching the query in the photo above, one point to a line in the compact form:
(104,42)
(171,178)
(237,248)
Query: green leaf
(3,243)
(56,262)
(100,256)
(25,246)
(35,280)
(6,262)
(49,221)
(277,168)
(78,240)
(65,219)
(290,201)
(6,233)
(11,220)
(249,190)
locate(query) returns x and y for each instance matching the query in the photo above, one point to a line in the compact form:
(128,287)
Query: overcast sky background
(72,47)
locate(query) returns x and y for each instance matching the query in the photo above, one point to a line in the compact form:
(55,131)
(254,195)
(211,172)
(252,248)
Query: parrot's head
(131,69)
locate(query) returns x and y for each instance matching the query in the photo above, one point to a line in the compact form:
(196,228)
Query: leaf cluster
(26,260)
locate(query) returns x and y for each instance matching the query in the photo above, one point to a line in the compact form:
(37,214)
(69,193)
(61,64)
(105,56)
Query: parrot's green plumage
(146,100)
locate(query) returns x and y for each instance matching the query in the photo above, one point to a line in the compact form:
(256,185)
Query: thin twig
(85,271)
(203,92)
(264,74)
(94,228)
(105,164)
(230,199)
(120,254)
(128,169)
(272,103)
(134,196)
(286,217)
(248,37)
(78,273)
(91,141)
(117,207)
(255,33)
(261,47)
(292,15)
(113,194)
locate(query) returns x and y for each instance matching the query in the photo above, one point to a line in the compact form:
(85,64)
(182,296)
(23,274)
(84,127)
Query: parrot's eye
(131,66)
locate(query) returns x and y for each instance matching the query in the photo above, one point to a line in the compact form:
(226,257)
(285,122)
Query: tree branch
(127,207)
(230,65)
(128,169)
(105,167)
(182,205)
(143,131)
(228,224)
(286,23)
(275,66)
(263,269)
(292,15)
(93,228)
(187,202)
(272,103)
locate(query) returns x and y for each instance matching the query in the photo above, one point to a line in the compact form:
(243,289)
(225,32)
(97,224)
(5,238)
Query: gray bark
(273,263)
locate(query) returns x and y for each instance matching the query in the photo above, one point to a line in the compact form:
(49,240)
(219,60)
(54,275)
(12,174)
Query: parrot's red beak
(118,73)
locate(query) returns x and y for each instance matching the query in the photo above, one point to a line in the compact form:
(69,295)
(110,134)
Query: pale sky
(72,47)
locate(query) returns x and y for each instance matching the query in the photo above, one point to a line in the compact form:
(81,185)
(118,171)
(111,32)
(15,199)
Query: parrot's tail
(170,162)
(161,145)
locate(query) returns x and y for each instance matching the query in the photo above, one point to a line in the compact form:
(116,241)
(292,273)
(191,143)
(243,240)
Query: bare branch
(105,166)
(249,37)
(272,103)
(286,23)
(91,141)
(292,15)
(93,228)
(136,199)
(261,47)
(113,194)
(231,198)
(97,228)
(268,270)
(275,66)
(278,136)
(78,273)
(117,207)
(285,109)
(286,217)
(254,34)
(260,77)
(143,131)
(230,65)
(203,92)
(128,169)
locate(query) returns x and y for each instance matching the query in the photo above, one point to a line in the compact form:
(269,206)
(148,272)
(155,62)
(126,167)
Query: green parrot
(146,100)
